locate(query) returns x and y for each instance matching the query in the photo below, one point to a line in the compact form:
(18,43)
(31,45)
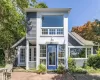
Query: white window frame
(58,54)
(81,47)
(46,54)
(41,14)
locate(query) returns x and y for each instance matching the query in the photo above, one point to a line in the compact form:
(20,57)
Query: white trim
(81,47)
(18,42)
(27,54)
(75,38)
(41,14)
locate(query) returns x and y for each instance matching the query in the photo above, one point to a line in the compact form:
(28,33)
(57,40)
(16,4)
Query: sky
(82,10)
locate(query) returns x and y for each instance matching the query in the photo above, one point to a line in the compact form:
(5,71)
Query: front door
(52,57)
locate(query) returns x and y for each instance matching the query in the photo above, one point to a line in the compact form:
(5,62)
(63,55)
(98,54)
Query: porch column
(27,54)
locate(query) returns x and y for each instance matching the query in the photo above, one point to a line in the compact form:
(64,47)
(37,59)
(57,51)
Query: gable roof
(18,42)
(81,40)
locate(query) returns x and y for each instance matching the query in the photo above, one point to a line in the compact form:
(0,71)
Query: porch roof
(81,40)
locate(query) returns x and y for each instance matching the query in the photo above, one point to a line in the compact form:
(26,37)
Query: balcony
(57,31)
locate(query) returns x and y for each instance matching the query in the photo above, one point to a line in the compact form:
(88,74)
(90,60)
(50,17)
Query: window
(22,55)
(77,52)
(52,31)
(43,54)
(61,51)
(61,54)
(34,54)
(29,54)
(88,52)
(42,50)
(60,31)
(44,31)
(52,21)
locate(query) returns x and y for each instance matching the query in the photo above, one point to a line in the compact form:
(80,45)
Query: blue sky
(82,10)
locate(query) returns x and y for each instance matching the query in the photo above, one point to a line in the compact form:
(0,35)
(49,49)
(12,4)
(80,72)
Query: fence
(3,74)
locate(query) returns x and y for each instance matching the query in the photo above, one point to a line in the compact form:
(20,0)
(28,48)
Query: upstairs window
(52,21)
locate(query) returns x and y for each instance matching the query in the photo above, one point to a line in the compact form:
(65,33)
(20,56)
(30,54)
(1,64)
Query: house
(48,41)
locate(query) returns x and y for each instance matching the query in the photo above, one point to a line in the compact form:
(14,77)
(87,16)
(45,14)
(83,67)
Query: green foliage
(94,61)
(80,70)
(98,52)
(71,64)
(84,64)
(12,21)
(41,5)
(60,69)
(2,59)
(42,68)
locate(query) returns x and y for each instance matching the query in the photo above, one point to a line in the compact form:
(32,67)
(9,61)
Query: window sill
(52,36)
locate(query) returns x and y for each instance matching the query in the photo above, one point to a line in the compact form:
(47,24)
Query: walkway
(35,76)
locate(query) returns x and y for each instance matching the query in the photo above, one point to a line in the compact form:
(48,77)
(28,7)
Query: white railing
(58,31)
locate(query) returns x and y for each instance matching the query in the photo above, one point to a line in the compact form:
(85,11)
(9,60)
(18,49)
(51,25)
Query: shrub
(94,61)
(80,70)
(42,68)
(84,64)
(60,69)
(71,64)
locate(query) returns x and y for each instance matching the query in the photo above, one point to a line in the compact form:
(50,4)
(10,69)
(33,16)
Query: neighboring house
(48,40)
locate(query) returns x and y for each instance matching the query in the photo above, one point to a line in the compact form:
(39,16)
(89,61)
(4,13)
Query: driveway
(35,76)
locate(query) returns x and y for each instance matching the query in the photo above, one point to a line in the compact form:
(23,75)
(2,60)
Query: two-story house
(47,40)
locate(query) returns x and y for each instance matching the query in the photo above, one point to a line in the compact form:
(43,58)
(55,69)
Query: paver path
(35,76)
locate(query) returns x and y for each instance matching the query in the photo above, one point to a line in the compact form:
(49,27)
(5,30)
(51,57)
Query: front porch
(49,54)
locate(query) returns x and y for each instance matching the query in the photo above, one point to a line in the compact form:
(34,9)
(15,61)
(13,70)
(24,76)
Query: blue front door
(52,57)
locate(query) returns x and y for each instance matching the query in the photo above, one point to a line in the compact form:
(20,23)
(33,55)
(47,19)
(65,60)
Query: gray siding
(72,42)
(31,24)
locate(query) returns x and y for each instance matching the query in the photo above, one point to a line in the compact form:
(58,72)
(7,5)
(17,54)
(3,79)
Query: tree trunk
(6,52)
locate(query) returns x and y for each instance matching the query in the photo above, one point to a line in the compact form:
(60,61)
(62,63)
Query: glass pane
(77,52)
(29,54)
(60,31)
(51,31)
(42,50)
(22,55)
(44,31)
(52,21)
(52,58)
(61,51)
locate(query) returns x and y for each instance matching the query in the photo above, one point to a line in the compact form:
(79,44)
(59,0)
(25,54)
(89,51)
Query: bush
(60,69)
(94,61)
(42,68)
(71,64)
(80,70)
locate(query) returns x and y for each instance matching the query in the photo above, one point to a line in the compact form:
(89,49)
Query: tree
(12,21)
(89,31)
